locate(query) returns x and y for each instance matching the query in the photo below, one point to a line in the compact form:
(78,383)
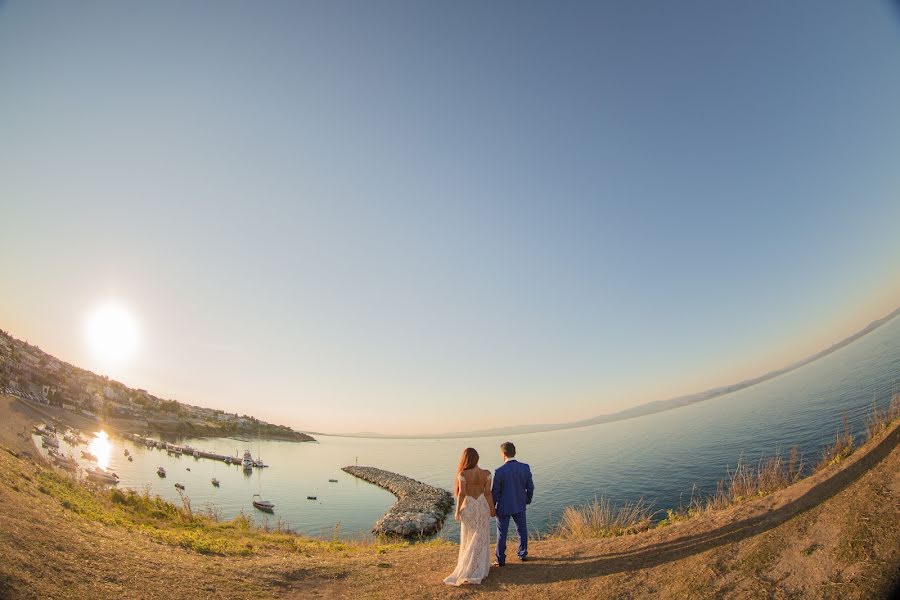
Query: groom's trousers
(503,529)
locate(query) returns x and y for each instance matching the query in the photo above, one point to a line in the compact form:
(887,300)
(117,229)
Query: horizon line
(639,410)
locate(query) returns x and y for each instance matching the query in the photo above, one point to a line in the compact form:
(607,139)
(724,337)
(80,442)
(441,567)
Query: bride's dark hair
(469,460)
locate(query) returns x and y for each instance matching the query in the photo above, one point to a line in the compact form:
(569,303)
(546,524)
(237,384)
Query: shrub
(601,518)
(840,449)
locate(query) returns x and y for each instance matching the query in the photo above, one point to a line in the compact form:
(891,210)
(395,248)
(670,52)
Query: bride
(474,509)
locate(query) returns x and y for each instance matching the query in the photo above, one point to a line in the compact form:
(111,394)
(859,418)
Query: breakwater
(420,509)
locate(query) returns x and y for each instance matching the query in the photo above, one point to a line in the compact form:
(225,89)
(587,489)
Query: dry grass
(601,518)
(744,482)
(842,447)
(880,419)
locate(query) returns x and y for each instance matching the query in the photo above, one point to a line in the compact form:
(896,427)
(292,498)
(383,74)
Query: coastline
(146,427)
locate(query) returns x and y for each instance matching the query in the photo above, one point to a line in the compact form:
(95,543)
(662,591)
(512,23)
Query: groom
(511,491)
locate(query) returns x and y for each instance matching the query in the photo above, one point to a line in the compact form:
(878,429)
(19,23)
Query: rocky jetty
(420,509)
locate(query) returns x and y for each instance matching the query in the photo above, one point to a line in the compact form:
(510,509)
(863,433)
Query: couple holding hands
(478,498)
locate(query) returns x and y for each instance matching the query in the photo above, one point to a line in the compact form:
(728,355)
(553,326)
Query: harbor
(247,461)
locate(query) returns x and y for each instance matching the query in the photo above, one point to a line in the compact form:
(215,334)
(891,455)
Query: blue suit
(512,490)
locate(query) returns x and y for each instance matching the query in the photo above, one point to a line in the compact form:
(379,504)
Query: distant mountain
(650,407)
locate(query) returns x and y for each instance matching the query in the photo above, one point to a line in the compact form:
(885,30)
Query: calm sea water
(658,457)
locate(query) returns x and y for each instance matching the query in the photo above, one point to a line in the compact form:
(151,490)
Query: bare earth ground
(833,535)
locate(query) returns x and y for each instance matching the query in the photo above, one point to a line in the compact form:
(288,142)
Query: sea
(661,458)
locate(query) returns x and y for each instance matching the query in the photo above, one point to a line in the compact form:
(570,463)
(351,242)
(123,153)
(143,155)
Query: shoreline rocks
(420,509)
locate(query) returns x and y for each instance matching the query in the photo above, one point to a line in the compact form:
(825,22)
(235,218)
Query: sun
(112,333)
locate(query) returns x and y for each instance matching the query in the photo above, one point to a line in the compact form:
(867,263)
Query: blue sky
(410,217)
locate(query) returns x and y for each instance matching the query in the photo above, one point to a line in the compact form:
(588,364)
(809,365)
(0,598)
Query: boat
(127,453)
(248,461)
(130,459)
(311,498)
(179,486)
(64,462)
(98,474)
(50,441)
(258,463)
(215,482)
(70,439)
(333,480)
(161,472)
(263,505)
(88,456)
(188,469)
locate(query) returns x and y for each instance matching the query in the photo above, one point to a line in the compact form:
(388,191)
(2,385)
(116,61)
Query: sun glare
(112,333)
(100,447)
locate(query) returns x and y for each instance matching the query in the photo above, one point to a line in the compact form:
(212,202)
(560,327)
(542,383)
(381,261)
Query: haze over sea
(659,457)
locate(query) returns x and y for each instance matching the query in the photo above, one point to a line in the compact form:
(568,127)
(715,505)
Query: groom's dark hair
(508,449)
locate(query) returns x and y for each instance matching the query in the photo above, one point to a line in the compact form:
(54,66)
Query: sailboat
(258,463)
(263,505)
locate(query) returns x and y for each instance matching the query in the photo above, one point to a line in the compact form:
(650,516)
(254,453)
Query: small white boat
(263,505)
(161,472)
(248,461)
(50,441)
(98,474)
(88,456)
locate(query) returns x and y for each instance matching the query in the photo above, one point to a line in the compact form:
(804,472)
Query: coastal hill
(648,408)
(835,534)
(28,372)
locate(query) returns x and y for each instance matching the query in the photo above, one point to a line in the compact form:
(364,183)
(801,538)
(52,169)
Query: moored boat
(263,505)
(88,456)
(98,474)
(215,482)
(179,486)
(161,472)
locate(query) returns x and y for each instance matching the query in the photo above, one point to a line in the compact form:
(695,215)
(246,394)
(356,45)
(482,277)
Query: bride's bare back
(474,483)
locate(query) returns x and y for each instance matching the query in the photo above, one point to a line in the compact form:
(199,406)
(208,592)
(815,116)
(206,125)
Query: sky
(412,217)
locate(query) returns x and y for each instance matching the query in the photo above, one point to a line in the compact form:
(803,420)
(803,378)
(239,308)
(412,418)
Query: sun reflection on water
(101,448)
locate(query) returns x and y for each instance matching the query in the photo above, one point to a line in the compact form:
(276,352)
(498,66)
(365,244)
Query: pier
(183,450)
(420,509)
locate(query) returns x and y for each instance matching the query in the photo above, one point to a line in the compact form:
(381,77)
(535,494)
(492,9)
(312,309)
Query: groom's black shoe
(524,558)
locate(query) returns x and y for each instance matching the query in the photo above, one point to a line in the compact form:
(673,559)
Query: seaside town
(33,375)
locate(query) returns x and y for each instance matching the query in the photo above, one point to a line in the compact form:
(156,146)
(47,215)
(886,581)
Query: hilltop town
(30,373)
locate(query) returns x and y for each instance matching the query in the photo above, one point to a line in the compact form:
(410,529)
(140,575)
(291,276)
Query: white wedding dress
(474,560)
